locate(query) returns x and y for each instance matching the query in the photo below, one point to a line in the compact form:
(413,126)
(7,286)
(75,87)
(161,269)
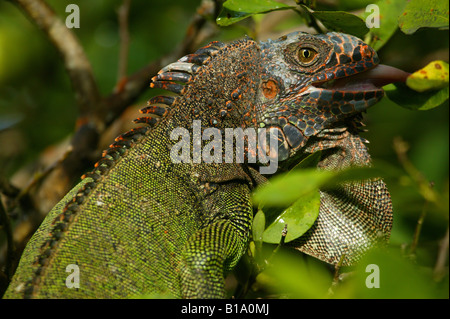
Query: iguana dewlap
(141,225)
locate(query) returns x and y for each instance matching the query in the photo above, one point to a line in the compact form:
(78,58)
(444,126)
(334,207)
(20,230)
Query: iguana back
(128,222)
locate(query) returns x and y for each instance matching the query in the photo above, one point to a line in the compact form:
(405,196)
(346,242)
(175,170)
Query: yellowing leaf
(432,77)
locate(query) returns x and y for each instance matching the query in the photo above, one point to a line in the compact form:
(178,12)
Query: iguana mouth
(370,80)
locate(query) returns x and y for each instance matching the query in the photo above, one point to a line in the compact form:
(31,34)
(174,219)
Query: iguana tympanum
(140,224)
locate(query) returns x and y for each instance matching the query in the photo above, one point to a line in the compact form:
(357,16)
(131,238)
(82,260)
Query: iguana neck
(341,147)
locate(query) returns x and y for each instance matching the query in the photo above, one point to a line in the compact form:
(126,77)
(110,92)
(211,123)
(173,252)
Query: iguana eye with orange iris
(307,56)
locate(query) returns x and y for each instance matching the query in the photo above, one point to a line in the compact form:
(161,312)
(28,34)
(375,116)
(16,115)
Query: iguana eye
(307,56)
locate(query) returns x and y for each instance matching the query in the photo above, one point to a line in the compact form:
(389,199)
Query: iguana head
(296,86)
(311,82)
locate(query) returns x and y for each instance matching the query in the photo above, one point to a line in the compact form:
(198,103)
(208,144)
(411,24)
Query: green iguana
(143,224)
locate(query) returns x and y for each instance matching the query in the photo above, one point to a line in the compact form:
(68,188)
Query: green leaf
(342,21)
(259,223)
(299,218)
(405,97)
(309,161)
(432,77)
(388,12)
(301,188)
(420,14)
(286,189)
(425,89)
(236,10)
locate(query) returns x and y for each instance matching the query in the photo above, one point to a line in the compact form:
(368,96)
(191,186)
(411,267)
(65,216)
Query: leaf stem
(305,12)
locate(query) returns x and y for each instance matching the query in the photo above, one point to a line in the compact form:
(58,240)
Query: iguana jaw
(371,80)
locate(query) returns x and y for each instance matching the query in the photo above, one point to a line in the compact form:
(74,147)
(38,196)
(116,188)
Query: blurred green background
(37,106)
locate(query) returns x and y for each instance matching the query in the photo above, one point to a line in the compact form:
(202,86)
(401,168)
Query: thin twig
(124,35)
(311,20)
(336,276)
(425,188)
(439,268)
(138,82)
(417,231)
(401,148)
(282,239)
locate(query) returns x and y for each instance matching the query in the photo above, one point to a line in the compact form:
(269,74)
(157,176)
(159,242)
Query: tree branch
(75,61)
(124,36)
(138,82)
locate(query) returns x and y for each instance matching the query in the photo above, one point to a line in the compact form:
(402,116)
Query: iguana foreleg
(216,248)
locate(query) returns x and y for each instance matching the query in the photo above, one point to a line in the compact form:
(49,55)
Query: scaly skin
(353,217)
(140,224)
